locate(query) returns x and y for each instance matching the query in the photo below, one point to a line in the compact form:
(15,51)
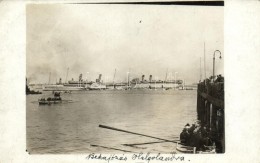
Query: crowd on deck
(218,79)
(196,135)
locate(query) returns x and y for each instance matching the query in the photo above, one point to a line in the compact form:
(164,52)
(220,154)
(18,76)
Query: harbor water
(73,127)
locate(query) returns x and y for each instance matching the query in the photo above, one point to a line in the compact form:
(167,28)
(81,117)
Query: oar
(93,145)
(145,143)
(116,129)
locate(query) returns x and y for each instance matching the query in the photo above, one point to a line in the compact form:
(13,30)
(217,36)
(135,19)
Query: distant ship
(80,84)
(75,85)
(70,86)
(61,87)
(31,91)
(96,86)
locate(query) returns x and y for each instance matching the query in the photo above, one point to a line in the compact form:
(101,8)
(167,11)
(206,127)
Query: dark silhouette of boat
(189,149)
(51,100)
(29,92)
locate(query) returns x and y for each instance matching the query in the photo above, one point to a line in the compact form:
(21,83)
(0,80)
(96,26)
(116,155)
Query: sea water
(73,127)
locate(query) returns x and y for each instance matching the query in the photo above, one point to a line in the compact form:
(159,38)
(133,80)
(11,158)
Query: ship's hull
(62,88)
(96,86)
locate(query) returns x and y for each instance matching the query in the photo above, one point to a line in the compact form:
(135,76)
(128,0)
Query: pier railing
(210,109)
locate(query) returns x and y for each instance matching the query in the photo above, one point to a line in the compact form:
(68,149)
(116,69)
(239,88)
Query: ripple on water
(71,128)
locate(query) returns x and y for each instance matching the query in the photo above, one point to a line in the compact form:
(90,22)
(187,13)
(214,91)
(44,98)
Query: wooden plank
(94,145)
(213,100)
(130,132)
(144,143)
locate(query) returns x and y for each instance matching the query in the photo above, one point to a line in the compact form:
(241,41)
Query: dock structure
(210,109)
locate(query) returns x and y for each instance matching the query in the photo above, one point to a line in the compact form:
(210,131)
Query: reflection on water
(72,127)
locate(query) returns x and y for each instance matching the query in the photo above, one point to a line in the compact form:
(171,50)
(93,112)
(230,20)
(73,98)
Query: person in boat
(187,125)
(207,141)
(204,131)
(57,94)
(196,136)
(191,129)
(196,139)
(57,98)
(185,136)
(219,79)
(204,138)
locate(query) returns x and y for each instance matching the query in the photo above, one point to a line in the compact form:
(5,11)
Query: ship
(56,87)
(98,85)
(70,86)
(30,90)
(155,84)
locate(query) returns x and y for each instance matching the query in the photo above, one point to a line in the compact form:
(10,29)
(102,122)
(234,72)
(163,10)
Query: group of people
(51,99)
(55,98)
(196,135)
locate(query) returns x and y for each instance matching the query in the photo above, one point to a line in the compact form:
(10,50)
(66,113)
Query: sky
(140,39)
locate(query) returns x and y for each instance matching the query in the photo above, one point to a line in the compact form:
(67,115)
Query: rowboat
(188,149)
(46,102)
(54,100)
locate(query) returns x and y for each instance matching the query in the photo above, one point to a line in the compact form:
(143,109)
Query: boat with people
(195,139)
(189,149)
(51,100)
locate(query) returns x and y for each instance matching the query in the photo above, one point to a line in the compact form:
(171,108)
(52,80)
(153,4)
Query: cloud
(98,39)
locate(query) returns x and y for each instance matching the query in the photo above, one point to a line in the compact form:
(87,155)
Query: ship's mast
(49,78)
(204,62)
(114,78)
(166,75)
(67,75)
(200,70)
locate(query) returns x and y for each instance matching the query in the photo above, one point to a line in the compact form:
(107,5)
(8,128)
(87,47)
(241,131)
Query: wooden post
(194,150)
(208,113)
(214,117)
(210,109)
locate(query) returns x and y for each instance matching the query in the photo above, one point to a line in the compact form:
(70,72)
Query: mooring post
(214,117)
(208,113)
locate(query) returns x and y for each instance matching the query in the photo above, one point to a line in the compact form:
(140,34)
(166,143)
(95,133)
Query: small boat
(188,149)
(51,100)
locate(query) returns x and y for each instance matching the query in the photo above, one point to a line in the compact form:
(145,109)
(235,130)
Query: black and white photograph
(125,78)
(129,81)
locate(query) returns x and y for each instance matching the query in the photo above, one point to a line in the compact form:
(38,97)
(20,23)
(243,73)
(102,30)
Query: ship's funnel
(60,81)
(142,78)
(99,78)
(150,78)
(80,77)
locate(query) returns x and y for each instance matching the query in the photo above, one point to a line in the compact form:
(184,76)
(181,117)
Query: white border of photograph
(242,24)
